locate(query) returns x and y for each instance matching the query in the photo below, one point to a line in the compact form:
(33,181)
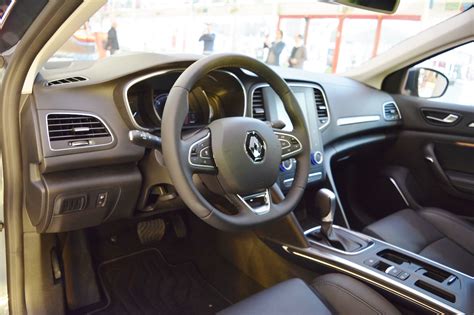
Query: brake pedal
(151,231)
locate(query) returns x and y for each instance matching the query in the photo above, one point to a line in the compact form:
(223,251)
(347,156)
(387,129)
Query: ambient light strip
(465,144)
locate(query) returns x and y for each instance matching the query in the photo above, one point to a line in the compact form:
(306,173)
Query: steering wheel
(241,154)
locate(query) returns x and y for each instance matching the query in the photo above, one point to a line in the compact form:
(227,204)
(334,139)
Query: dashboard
(84,170)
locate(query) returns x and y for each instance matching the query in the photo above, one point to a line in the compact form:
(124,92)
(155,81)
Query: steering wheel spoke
(198,150)
(259,203)
(290,144)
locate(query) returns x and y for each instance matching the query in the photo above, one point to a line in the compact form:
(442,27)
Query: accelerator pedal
(179,226)
(151,231)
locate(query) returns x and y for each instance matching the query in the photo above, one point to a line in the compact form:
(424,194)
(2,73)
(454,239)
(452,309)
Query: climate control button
(286,165)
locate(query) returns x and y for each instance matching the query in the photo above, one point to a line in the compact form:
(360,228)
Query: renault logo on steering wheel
(255,146)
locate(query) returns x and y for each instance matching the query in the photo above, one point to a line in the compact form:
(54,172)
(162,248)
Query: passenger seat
(328,294)
(433,233)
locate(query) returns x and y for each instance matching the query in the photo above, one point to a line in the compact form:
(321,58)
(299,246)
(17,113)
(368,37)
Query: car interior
(148,183)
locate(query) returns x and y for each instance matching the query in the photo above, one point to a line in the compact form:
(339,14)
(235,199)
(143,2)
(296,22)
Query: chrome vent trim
(258,107)
(73,130)
(321,107)
(391,111)
(67,80)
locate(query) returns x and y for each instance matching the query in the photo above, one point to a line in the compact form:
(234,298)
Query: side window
(447,77)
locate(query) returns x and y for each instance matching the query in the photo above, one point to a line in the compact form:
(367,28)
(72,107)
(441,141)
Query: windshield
(301,34)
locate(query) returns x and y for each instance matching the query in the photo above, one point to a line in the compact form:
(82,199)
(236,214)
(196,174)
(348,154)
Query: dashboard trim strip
(357,120)
(319,175)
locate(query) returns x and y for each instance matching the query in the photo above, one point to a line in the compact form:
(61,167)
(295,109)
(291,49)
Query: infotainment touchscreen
(282,114)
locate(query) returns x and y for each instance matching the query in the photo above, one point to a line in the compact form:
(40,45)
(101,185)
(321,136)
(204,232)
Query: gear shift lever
(336,238)
(326,201)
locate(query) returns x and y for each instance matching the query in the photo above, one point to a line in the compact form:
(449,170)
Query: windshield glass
(303,34)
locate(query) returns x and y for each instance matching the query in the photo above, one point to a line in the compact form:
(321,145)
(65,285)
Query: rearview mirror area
(382,6)
(426,83)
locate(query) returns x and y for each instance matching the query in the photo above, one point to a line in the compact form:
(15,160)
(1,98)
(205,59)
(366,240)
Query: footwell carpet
(144,283)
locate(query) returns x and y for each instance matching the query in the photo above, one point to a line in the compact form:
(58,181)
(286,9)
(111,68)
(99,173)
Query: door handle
(448,119)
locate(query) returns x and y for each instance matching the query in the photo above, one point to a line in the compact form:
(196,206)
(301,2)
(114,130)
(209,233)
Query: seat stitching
(360,299)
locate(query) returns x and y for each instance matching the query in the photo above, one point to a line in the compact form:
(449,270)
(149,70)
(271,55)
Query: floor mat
(144,283)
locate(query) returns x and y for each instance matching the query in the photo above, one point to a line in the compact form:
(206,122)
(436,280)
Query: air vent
(65,81)
(68,131)
(391,111)
(321,107)
(258,108)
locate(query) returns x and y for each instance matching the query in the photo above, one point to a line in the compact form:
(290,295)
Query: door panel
(414,109)
(439,155)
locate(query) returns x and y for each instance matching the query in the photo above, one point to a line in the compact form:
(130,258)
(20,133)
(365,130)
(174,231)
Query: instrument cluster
(219,94)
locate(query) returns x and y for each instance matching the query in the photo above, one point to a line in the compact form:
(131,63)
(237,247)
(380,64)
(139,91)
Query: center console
(411,277)
(433,286)
(313,104)
(429,285)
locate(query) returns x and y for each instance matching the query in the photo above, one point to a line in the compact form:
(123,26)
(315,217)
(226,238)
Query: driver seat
(328,294)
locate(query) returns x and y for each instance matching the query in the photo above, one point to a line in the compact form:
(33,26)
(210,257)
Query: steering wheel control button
(255,146)
(205,153)
(286,151)
(284,143)
(316,158)
(289,144)
(200,153)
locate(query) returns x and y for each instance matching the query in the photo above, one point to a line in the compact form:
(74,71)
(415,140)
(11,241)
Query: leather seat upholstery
(346,295)
(328,294)
(433,233)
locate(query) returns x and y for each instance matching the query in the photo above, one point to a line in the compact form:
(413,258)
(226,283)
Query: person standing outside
(298,53)
(275,49)
(112,39)
(208,38)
